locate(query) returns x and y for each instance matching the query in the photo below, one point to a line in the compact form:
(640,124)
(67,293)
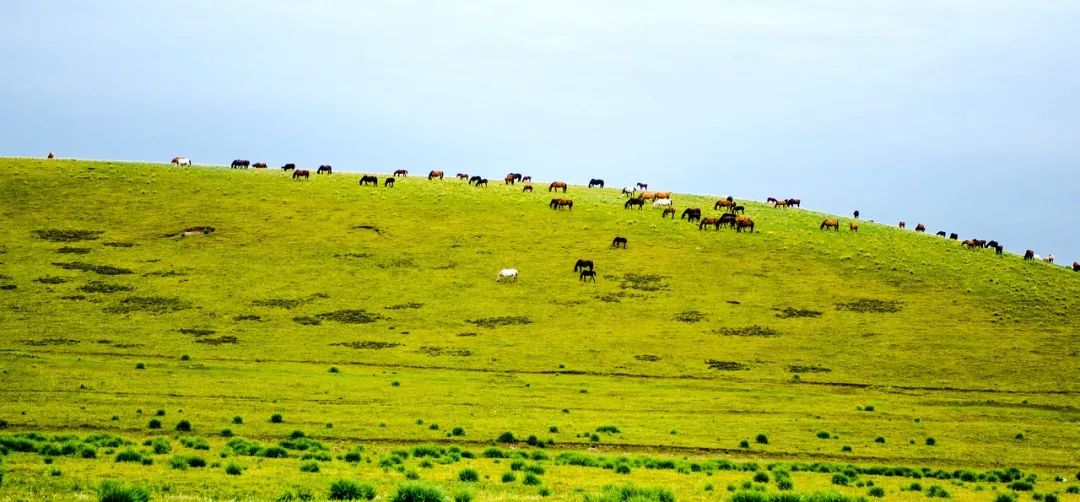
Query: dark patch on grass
(398,263)
(410,305)
(289,303)
(444,351)
(366,345)
(494,322)
(221,340)
(73,297)
(795,368)
(647,357)
(871,305)
(248,317)
(350,316)
(90,267)
(103,287)
(306,320)
(468,333)
(754,330)
(149,304)
(644,282)
(196,331)
(49,341)
(128,345)
(792,313)
(118,244)
(373,228)
(165,273)
(690,316)
(8,287)
(71,250)
(50,279)
(61,235)
(353,255)
(193,231)
(726,365)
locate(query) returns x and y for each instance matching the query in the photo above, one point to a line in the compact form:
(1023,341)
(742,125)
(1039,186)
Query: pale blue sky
(962,114)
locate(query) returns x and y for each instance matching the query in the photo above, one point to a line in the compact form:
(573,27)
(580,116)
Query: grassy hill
(371,316)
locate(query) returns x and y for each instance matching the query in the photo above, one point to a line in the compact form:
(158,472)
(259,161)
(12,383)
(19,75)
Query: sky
(963,115)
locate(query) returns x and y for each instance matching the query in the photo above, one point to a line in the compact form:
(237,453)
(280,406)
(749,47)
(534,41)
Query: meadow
(324,331)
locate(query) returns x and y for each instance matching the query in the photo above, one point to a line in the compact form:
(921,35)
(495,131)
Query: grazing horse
(595,182)
(770,200)
(1029,255)
(738,209)
(854,227)
(509,179)
(627,191)
(587,275)
(435,174)
(742,222)
(728,219)
(856,214)
(325,168)
(723,203)
(796,202)
(1049,258)
(481,181)
(991,244)
(661,203)
(920,228)
(401,172)
(240,164)
(619,241)
(388,183)
(51,155)
(668,211)
(830,223)
(692,213)
(561,203)
(1076,266)
(507,274)
(555,185)
(903,224)
(973,243)
(527,188)
(259,165)
(642,186)
(288,167)
(954,236)
(636,201)
(525,178)
(473,179)
(999,248)
(940,234)
(181,161)
(374,180)
(462,176)
(583,264)
(779,203)
(300,173)
(663,195)
(715,222)
(647,195)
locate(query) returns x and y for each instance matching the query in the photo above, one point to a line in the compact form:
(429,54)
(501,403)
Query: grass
(692,331)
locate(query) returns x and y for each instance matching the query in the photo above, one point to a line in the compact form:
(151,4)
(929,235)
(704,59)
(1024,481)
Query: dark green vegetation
(923,359)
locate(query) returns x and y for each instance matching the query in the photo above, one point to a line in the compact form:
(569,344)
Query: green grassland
(370,317)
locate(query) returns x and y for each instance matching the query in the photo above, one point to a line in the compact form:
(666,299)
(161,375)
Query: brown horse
(742,222)
(903,225)
(435,174)
(647,195)
(401,172)
(715,222)
(555,185)
(527,188)
(509,179)
(619,241)
(374,180)
(561,203)
(691,214)
(830,223)
(462,176)
(389,182)
(920,228)
(723,203)
(325,168)
(780,203)
(663,195)
(668,211)
(636,201)
(301,173)
(854,227)
(526,178)
(972,243)
(259,165)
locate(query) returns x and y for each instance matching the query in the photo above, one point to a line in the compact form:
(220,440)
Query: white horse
(1049,258)
(181,161)
(661,203)
(509,274)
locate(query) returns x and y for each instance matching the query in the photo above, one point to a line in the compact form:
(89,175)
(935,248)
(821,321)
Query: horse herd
(733,216)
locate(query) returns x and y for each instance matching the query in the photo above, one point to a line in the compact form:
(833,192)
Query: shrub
(226,433)
(115,491)
(129,455)
(840,480)
(276,418)
(417,492)
(761,477)
(463,496)
(507,437)
(309,466)
(608,429)
(879,439)
(140,366)
(195,443)
(846,448)
(238,420)
(868,407)
(508,477)
(154,424)
(334,369)
(937,491)
(185,357)
(531,479)
(1021,486)
(876,491)
(744,444)
(344,489)
(630,492)
(931,441)
(468,476)
(622,469)
(183,426)
(233,469)
(457,431)
(823,435)
(761,439)
(161,446)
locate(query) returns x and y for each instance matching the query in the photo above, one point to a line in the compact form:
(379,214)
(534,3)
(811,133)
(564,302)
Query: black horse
(691,214)
(374,180)
(389,182)
(636,201)
(940,234)
(482,181)
(325,168)
(474,179)
(583,264)
(596,182)
(954,236)
(738,210)
(240,164)
(587,275)
(301,173)
(288,167)
(619,241)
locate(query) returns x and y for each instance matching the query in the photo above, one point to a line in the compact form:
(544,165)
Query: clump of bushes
(234,469)
(761,439)
(629,492)
(276,418)
(115,491)
(468,476)
(309,466)
(417,492)
(608,429)
(183,426)
(494,322)
(346,489)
